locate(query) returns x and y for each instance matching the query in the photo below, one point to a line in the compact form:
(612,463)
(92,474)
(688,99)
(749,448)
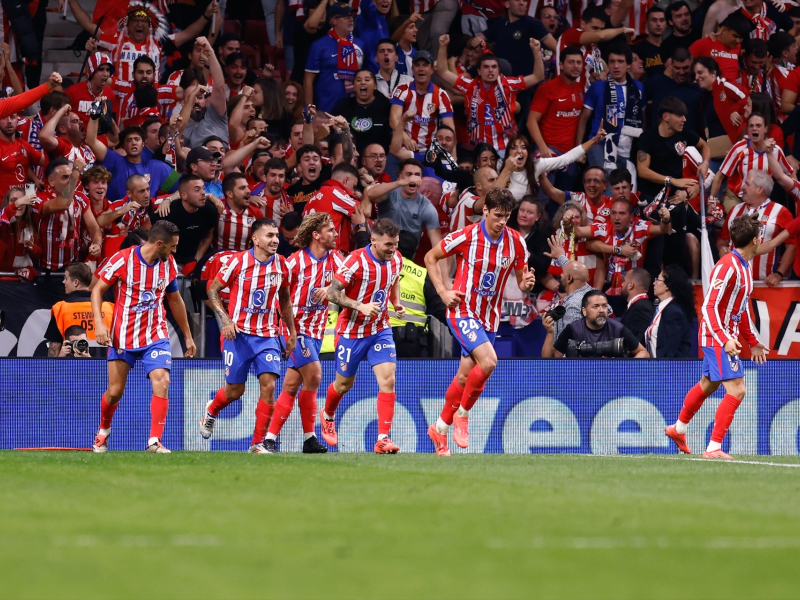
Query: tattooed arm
(337,296)
(229,328)
(288,317)
(64,199)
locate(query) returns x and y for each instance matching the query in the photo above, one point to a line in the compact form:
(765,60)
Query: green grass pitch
(227,525)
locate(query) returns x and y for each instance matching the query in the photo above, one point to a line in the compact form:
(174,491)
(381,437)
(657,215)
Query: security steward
(75,309)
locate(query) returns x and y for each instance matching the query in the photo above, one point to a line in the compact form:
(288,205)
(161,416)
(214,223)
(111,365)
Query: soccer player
(363,286)
(311,271)
(486,253)
(143,276)
(259,294)
(726,308)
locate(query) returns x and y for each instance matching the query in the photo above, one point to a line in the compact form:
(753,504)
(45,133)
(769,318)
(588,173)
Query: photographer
(595,335)
(572,288)
(76,343)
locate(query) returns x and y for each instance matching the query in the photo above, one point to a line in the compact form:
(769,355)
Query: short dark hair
(592,12)
(230,181)
(618,176)
(744,229)
(191,75)
(737,22)
(673,106)
(261,223)
(708,63)
(233,57)
(675,7)
(777,44)
(213,138)
(591,294)
(128,131)
(152,121)
(640,277)
(654,9)
(753,47)
(187,178)
(385,226)
(568,51)
(54,164)
(74,329)
(385,41)
(291,220)
(680,54)
(409,161)
(447,127)
(345,168)
(306,149)
(53,101)
(81,272)
(484,57)
(144,59)
(500,199)
(274,164)
(163,231)
(620,50)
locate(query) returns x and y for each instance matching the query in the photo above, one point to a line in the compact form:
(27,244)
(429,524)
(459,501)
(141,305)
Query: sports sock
(452,400)
(476,381)
(106,413)
(462,412)
(283,408)
(219,402)
(332,400)
(158,416)
(263,413)
(691,404)
(724,417)
(441,426)
(385,412)
(712,445)
(307,403)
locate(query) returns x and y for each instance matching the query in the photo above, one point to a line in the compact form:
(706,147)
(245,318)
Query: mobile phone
(30,189)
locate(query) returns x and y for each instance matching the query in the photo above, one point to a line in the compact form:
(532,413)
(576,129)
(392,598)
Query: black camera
(81,346)
(556,313)
(610,349)
(96,109)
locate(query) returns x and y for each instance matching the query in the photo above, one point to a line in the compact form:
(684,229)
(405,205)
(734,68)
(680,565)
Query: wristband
(617,251)
(361,225)
(779,273)
(667,181)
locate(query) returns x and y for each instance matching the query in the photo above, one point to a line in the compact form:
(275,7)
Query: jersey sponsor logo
(147,302)
(487,281)
(379,347)
(157,353)
(259,297)
(380,298)
(270,357)
(568,113)
(718,284)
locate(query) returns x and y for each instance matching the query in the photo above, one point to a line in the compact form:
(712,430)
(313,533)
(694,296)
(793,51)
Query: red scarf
(346,60)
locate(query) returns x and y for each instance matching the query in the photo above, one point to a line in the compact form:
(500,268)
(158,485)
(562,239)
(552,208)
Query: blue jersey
(323,60)
(120,169)
(595,99)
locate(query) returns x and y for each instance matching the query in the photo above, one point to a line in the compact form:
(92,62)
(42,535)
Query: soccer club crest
(162,285)
(680,148)
(734,364)
(611,115)
(505,262)
(472,336)
(348,56)
(431,107)
(327,276)
(722,97)
(517,35)
(249,221)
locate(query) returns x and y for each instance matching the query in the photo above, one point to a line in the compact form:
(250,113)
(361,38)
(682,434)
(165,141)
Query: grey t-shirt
(211,124)
(412,215)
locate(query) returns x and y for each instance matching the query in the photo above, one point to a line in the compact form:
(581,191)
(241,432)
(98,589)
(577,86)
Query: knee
(488,364)
(313,382)
(342,387)
(387,384)
(291,388)
(161,382)
(234,391)
(461,379)
(268,389)
(737,390)
(114,393)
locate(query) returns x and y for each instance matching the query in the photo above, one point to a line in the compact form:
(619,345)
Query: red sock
(263,413)
(692,403)
(476,381)
(307,403)
(452,400)
(283,408)
(106,413)
(220,402)
(724,416)
(332,400)
(158,416)
(385,411)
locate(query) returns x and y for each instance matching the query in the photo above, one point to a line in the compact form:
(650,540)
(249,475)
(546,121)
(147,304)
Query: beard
(198,114)
(561,288)
(599,322)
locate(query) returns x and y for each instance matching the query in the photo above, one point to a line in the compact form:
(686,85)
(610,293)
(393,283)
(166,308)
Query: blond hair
(311,223)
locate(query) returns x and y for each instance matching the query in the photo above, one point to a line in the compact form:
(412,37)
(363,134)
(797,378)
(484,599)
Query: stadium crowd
(609,123)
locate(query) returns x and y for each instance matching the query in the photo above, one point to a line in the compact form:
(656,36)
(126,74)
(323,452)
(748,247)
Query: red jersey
(560,105)
(335,199)
(366,279)
(594,212)
(15,159)
(80,99)
(779,78)
(124,52)
(637,235)
(14,255)
(728,98)
(307,274)
(272,209)
(482,269)
(743,158)
(774,219)
(139,316)
(70,151)
(488,9)
(125,103)
(212,267)
(576,251)
(726,306)
(134,218)
(254,305)
(233,229)
(60,232)
(592,58)
(727,58)
(428,108)
(490,111)
(753,83)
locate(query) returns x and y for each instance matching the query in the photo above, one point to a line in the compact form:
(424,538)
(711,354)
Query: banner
(529,406)
(776,311)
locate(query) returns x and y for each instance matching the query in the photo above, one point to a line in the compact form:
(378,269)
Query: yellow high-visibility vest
(328,344)
(412,295)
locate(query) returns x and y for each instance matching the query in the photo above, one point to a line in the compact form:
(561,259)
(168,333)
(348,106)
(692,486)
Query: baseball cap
(423,55)
(339,9)
(200,153)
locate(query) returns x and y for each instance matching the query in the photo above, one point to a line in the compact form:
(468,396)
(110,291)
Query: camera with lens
(556,313)
(81,346)
(96,109)
(610,349)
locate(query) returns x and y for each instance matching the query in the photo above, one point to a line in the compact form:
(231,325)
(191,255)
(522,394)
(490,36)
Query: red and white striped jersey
(726,306)
(594,212)
(463,214)
(272,208)
(637,16)
(576,251)
(212,267)
(366,279)
(637,235)
(307,274)
(336,200)
(70,151)
(743,158)
(254,305)
(134,218)
(774,219)
(428,109)
(753,83)
(482,269)
(139,315)
(233,229)
(60,232)
(124,52)
(490,111)
(125,103)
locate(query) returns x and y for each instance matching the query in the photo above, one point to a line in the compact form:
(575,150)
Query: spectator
(153,140)
(639,311)
(406,36)
(204,112)
(132,99)
(286,232)
(99,70)
(675,311)
(675,81)
(293,95)
(333,60)
(775,218)
(753,76)
(271,195)
(227,44)
(75,310)
(60,214)
(197,61)
(679,18)
(28,128)
(373,26)
(572,287)
(270,104)
(233,227)
(121,216)
(196,219)
(367,113)
(475,15)
(725,46)
(592,200)
(75,344)
(388,78)
(649,47)
(725,102)
(534,226)
(204,163)
(765,19)
(373,160)
(595,326)
(20,249)
(783,52)
(64,135)
(491,97)
(567,246)
(312,175)
(467,207)
(18,155)
(235,72)
(335,197)
(311,25)
(95,185)
(618,109)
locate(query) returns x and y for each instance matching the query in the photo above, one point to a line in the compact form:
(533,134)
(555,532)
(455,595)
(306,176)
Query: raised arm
(196,28)
(99,148)
(342,127)
(538,65)
(47,134)
(236,130)
(441,63)
(398,134)
(63,200)
(604,35)
(84,20)
(218,91)
(235,158)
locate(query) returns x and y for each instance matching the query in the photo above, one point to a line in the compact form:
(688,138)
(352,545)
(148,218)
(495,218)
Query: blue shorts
(718,365)
(240,353)
(155,356)
(378,348)
(470,334)
(306,351)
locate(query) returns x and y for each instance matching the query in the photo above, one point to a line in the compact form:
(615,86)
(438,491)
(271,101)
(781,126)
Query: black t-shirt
(369,123)
(666,156)
(669,45)
(578,331)
(194,227)
(301,193)
(512,41)
(660,86)
(651,57)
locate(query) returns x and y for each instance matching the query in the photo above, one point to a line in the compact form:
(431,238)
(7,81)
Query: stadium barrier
(529,406)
